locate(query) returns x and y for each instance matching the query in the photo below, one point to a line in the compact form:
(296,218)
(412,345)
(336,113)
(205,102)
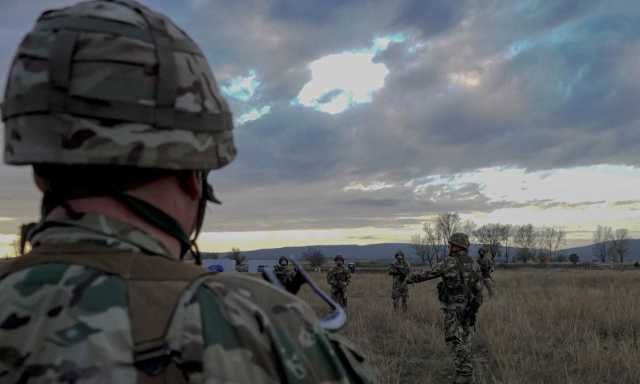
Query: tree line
(537,244)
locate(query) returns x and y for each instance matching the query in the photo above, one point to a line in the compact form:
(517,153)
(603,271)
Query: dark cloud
(534,84)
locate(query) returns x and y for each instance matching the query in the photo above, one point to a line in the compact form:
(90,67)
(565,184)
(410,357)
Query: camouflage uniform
(113,83)
(284,272)
(64,321)
(339,278)
(400,271)
(486,265)
(460,296)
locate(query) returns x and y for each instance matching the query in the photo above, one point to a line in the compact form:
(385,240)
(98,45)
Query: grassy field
(550,327)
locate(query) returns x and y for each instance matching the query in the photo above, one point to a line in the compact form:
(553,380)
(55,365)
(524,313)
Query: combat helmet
(459,239)
(338,257)
(399,254)
(114,83)
(283,258)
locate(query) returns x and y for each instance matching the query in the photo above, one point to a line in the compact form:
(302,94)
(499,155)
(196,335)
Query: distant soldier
(460,295)
(338,278)
(289,277)
(282,270)
(400,271)
(486,264)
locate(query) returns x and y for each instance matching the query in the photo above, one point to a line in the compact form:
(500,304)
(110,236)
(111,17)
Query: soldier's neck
(112,209)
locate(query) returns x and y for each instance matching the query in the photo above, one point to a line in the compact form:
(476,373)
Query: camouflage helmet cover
(338,257)
(113,82)
(399,254)
(459,239)
(283,258)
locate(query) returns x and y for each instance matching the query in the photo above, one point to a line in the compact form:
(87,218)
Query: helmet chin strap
(168,224)
(148,212)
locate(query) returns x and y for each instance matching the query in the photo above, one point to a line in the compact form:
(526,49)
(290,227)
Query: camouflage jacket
(486,267)
(69,323)
(339,277)
(461,281)
(400,271)
(284,273)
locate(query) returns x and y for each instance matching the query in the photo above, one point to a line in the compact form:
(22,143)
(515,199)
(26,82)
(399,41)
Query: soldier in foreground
(486,270)
(122,120)
(460,296)
(400,271)
(339,278)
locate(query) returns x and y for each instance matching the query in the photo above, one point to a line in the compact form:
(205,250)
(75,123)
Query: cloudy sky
(358,120)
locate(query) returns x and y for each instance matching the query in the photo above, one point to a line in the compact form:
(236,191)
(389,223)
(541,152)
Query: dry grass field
(542,326)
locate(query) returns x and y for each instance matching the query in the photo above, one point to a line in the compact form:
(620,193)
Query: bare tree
(505,232)
(525,237)
(446,225)
(315,257)
(236,255)
(551,239)
(468,227)
(426,244)
(602,237)
(619,245)
(490,235)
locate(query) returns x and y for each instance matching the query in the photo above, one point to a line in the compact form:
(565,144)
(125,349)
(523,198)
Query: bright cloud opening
(466,79)
(253,115)
(242,88)
(342,80)
(374,186)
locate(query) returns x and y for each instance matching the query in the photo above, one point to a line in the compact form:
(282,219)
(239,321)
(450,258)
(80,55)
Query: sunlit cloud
(253,115)
(469,79)
(374,186)
(577,198)
(340,81)
(242,88)
(570,185)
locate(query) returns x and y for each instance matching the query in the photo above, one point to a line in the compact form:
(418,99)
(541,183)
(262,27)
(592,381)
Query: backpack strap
(153,282)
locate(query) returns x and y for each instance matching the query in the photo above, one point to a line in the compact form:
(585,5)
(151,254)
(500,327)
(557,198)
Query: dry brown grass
(544,327)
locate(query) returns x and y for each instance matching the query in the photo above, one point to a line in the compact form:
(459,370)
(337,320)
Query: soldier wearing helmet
(400,271)
(119,115)
(284,272)
(486,264)
(339,278)
(460,296)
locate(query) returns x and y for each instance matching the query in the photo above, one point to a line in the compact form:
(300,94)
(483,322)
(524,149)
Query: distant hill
(384,252)
(586,252)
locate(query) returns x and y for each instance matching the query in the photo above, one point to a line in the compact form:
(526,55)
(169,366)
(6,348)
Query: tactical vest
(155,285)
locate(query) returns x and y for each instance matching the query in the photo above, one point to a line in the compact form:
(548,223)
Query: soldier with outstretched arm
(460,296)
